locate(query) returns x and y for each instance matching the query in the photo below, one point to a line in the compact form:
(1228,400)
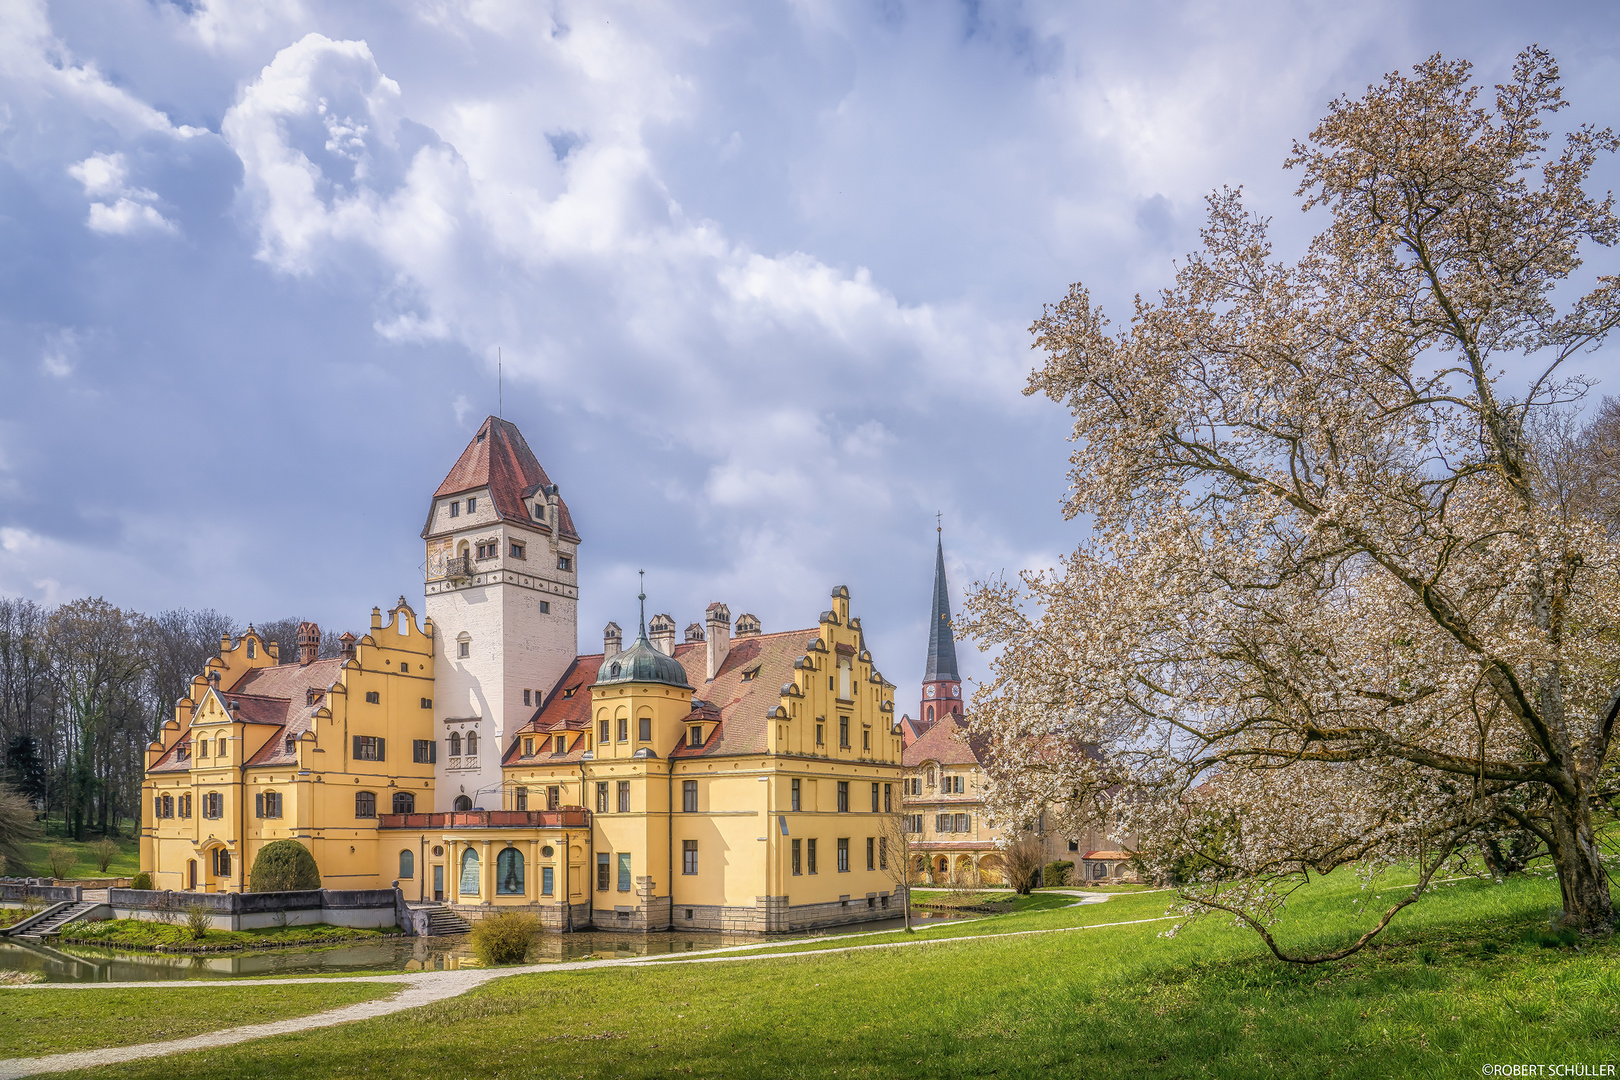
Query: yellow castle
(734,780)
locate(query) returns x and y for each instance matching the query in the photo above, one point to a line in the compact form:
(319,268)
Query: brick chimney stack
(346,642)
(309,643)
(717,621)
(612,640)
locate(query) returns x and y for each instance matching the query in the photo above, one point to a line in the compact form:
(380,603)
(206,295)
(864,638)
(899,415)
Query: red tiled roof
(171,761)
(738,705)
(1109,855)
(500,459)
(947,742)
(952,845)
(287,685)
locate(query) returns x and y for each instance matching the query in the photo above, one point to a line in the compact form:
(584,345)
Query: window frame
(622,800)
(689,857)
(689,797)
(843,854)
(364,800)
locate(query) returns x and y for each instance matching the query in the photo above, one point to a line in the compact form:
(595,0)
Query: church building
(736,779)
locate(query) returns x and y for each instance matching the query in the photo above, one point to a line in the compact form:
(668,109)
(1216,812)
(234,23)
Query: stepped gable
(499,458)
(947,742)
(739,703)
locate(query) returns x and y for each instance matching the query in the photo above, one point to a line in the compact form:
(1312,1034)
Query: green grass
(46,1021)
(127,863)
(1470,976)
(1001,901)
(139,934)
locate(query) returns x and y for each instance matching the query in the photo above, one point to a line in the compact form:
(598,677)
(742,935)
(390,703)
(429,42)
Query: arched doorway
(191,874)
(991,870)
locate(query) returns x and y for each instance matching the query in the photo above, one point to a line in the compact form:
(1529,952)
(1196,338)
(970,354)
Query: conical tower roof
(941,642)
(499,458)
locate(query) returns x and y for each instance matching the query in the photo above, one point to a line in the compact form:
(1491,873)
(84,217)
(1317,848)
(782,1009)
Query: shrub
(61,861)
(199,920)
(282,865)
(106,850)
(505,938)
(1022,858)
(18,827)
(1056,873)
(142,880)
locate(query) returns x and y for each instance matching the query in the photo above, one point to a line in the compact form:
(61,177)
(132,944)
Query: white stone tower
(503,594)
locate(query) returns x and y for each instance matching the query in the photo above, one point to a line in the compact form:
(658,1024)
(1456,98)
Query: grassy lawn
(34,1022)
(1001,901)
(1469,977)
(146,935)
(125,864)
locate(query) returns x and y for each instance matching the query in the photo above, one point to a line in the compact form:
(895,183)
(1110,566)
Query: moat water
(75,964)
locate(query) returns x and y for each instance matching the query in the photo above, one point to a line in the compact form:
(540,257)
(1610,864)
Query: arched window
(930,712)
(463,803)
(472,744)
(250,649)
(407,863)
(365,804)
(469,872)
(455,744)
(509,872)
(404,803)
(613,672)
(930,777)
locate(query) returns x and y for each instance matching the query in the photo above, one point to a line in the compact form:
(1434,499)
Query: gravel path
(418,989)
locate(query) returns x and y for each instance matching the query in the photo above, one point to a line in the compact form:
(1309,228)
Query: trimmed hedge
(1056,873)
(142,880)
(284,866)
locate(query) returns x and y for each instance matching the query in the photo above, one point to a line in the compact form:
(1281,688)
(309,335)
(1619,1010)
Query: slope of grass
(125,864)
(1470,977)
(47,1021)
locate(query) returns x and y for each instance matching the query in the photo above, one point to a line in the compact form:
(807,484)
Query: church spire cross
(941,642)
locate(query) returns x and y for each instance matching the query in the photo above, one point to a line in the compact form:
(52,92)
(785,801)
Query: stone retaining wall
(374,908)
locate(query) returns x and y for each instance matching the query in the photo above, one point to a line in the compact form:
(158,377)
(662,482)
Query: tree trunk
(1581,876)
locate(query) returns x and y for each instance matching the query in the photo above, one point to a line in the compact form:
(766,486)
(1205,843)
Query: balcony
(454,568)
(568,817)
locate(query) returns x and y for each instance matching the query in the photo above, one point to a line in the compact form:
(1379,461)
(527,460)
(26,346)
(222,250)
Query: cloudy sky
(761,274)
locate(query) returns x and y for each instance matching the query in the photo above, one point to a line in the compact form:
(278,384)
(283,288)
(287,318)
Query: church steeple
(942,683)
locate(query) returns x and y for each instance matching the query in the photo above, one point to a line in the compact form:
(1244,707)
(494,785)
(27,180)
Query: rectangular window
(553,797)
(202,748)
(424,751)
(213,805)
(883,853)
(548,877)
(964,822)
(874,798)
(1074,845)
(526,696)
(888,801)
(843,796)
(871,853)
(427,703)
(472,505)
(624,871)
(267,804)
(545,607)
(624,796)
(602,797)
(604,865)
(528,748)
(455,508)
(603,733)
(517,551)
(688,856)
(644,732)
(689,796)
(810,854)
(368,748)
(624,729)
(695,736)
(564,562)
(820,740)
(520,798)
(365,804)
(373,697)
(843,732)
(185,806)
(798,867)
(866,738)
(843,854)
(796,806)
(463,649)
(560,745)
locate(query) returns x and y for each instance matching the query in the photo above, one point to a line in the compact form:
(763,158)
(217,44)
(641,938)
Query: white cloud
(61,353)
(129,209)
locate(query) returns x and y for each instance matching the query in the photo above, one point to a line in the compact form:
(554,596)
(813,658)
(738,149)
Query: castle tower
(503,594)
(942,683)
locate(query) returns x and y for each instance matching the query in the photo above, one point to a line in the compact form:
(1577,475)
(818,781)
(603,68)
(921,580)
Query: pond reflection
(77,964)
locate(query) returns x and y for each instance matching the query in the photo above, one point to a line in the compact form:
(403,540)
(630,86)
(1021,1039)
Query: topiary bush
(283,865)
(1056,873)
(505,938)
(142,880)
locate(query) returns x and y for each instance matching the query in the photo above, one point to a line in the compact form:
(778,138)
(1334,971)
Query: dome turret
(642,662)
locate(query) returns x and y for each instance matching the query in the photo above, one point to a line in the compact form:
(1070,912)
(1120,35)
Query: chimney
(309,643)
(718,620)
(346,642)
(213,679)
(747,625)
(612,640)
(694,632)
(661,632)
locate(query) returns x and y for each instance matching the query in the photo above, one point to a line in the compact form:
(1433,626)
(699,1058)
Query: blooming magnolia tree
(1332,612)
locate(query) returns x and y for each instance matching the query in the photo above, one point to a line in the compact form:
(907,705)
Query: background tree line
(85,686)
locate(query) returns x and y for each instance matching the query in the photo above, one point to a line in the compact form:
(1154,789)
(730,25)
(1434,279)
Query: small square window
(373,697)
(517,551)
(427,703)
(472,504)
(463,649)
(455,508)
(545,607)
(564,562)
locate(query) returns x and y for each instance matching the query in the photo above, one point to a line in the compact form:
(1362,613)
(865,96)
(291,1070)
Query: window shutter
(357,748)
(258,804)
(380,756)
(433,751)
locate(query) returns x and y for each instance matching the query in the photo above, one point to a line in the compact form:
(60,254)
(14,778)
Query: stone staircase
(442,922)
(49,922)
